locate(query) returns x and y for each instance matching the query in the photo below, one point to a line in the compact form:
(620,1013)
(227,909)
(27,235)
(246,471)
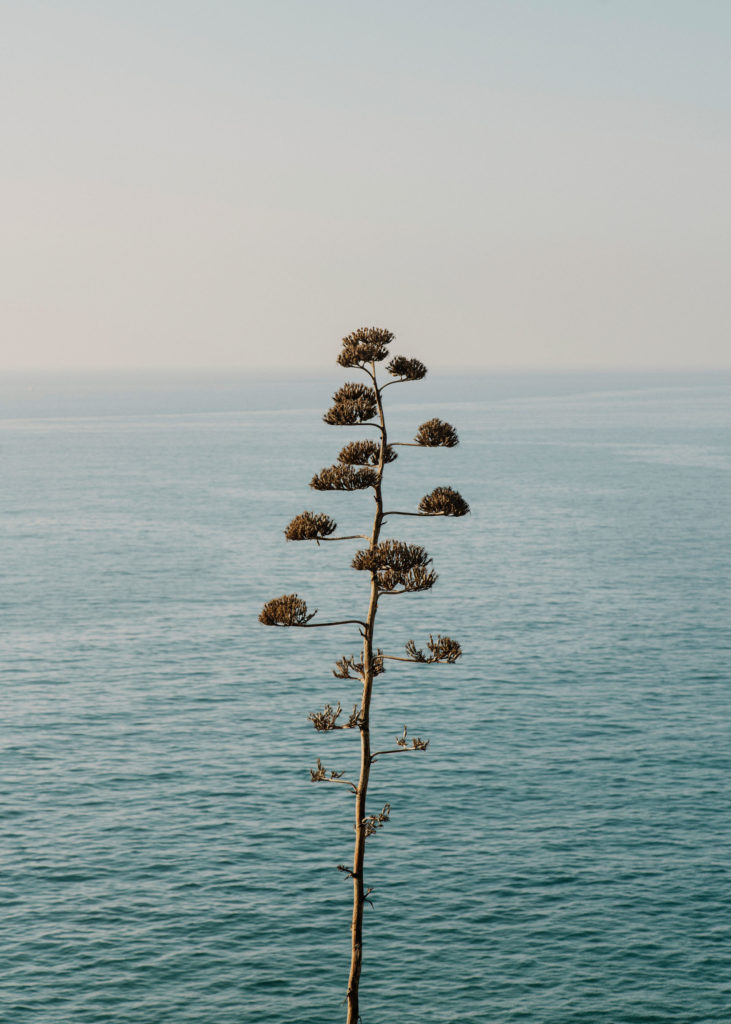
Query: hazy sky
(503,183)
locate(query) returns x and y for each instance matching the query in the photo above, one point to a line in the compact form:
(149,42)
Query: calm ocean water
(560,855)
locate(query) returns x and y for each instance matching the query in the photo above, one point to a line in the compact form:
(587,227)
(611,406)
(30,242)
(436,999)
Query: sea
(561,852)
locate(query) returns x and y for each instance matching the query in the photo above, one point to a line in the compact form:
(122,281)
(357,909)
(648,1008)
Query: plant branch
(417,743)
(396,750)
(423,515)
(352,536)
(343,782)
(314,625)
(414,661)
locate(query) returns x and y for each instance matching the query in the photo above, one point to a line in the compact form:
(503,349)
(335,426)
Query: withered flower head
(443,501)
(288,610)
(326,720)
(365,453)
(346,665)
(406,369)
(343,478)
(310,526)
(353,403)
(397,565)
(372,822)
(417,743)
(366,345)
(442,649)
(436,434)
(323,774)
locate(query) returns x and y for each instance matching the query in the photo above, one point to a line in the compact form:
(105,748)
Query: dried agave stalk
(395,567)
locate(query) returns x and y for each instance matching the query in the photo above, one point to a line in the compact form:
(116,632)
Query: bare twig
(402,746)
(323,774)
(352,536)
(342,622)
(421,515)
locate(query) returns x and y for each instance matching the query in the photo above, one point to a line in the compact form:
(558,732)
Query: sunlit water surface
(560,855)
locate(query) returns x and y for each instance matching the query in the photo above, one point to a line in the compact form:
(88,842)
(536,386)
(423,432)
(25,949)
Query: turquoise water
(560,855)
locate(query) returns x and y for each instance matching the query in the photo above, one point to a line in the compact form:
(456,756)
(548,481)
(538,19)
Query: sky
(507,184)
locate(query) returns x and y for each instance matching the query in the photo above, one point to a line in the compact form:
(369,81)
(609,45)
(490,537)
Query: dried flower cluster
(366,345)
(365,453)
(352,403)
(326,720)
(443,501)
(443,649)
(344,667)
(373,822)
(417,743)
(310,526)
(288,610)
(436,434)
(397,565)
(406,369)
(323,774)
(343,478)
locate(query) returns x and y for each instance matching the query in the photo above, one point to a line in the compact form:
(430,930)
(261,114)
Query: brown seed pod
(352,403)
(406,369)
(436,434)
(443,501)
(397,566)
(310,526)
(365,453)
(366,345)
(288,610)
(343,478)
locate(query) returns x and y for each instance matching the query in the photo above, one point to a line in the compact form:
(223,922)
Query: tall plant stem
(366,759)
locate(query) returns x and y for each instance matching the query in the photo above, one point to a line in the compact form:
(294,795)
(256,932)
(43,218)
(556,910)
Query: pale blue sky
(503,184)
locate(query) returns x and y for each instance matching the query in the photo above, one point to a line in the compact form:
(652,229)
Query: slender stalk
(359,892)
(423,515)
(392,564)
(352,536)
(315,625)
(396,750)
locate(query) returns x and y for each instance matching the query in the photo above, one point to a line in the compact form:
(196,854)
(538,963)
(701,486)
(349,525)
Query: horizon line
(309,371)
